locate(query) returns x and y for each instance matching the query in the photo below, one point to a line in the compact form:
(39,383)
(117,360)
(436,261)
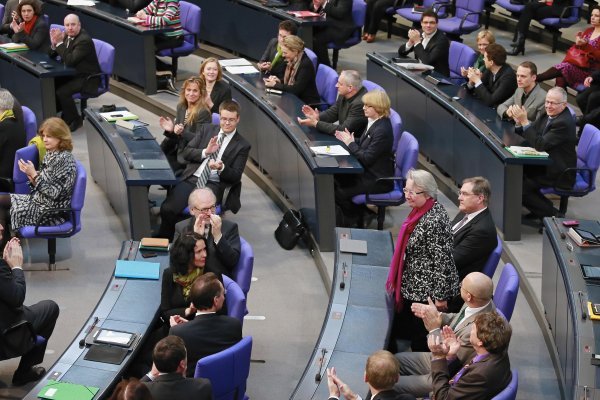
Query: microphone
(91,328)
(343,282)
(321,363)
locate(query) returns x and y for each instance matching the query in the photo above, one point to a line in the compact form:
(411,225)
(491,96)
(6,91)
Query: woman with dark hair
(30,26)
(217,90)
(131,389)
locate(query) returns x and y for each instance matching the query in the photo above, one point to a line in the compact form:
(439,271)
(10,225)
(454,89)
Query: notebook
(137,269)
(56,390)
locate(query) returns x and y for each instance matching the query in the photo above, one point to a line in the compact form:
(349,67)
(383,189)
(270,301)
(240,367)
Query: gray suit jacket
(345,113)
(534,103)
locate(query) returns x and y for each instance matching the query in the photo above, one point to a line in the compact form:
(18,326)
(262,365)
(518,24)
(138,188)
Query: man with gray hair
(346,113)
(553,133)
(12,134)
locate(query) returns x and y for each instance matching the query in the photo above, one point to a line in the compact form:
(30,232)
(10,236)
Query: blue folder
(137,269)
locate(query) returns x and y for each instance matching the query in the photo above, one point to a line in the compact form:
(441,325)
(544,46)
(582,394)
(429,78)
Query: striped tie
(203,178)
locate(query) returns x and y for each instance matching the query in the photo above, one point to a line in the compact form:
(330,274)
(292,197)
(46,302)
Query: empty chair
(19,182)
(235,299)
(510,392)
(506,291)
(492,262)
(460,55)
(242,272)
(106,58)
(312,56)
(588,161)
(227,370)
(359,12)
(569,17)
(327,79)
(66,229)
(30,123)
(190,17)
(407,152)
(415,17)
(466,19)
(371,85)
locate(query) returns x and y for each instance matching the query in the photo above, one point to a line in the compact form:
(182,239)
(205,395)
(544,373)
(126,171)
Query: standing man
(553,133)
(76,49)
(528,94)
(498,82)
(431,47)
(42,316)
(222,237)
(338,28)
(215,158)
(346,113)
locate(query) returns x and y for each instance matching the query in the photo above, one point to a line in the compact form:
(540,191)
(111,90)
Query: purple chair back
(216,118)
(570,19)
(506,291)
(235,299)
(29,153)
(396,127)
(406,12)
(371,85)
(407,154)
(227,370)
(191,18)
(242,272)
(470,8)
(106,58)
(57,26)
(492,262)
(327,79)
(1,12)
(30,123)
(513,8)
(460,55)
(510,392)
(313,57)
(359,14)
(588,154)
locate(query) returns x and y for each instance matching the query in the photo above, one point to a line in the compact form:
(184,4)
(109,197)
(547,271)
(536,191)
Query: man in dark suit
(167,379)
(42,316)
(473,228)
(338,28)
(222,236)
(272,62)
(498,82)
(432,47)
(486,374)
(208,333)
(215,157)
(381,372)
(553,133)
(415,367)
(76,49)
(346,113)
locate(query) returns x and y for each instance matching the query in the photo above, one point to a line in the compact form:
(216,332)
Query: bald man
(76,49)
(415,367)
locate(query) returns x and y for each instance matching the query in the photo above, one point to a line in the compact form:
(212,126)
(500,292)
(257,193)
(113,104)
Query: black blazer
(436,53)
(12,138)
(12,295)
(473,243)
(559,140)
(345,113)
(207,334)
(374,150)
(174,386)
(39,39)
(221,92)
(305,85)
(81,55)
(339,22)
(278,69)
(496,91)
(222,257)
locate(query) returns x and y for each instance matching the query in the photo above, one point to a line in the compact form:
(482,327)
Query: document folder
(137,269)
(56,390)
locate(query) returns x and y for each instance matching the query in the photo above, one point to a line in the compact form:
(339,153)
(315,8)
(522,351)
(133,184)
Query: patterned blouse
(53,189)
(429,268)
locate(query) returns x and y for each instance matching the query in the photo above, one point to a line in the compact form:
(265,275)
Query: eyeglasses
(554,103)
(367,106)
(411,192)
(230,120)
(461,193)
(205,210)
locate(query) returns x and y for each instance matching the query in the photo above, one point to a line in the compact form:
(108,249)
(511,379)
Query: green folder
(56,390)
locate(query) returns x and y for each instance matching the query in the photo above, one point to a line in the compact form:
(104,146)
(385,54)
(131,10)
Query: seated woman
(299,77)
(573,75)
(375,153)
(272,62)
(192,111)
(51,186)
(32,29)
(484,39)
(217,90)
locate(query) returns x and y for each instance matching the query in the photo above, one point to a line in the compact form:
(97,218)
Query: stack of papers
(304,14)
(335,150)
(11,47)
(88,3)
(238,66)
(519,151)
(415,66)
(115,115)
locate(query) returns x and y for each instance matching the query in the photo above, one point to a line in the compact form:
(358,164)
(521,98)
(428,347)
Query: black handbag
(290,229)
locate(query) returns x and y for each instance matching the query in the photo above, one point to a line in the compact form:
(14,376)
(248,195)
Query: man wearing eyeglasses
(553,133)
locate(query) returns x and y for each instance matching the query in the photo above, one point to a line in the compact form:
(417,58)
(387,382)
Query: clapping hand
(432,318)
(27,168)
(176,320)
(17,27)
(13,253)
(216,223)
(474,75)
(519,114)
(588,81)
(464,71)
(271,81)
(414,36)
(56,36)
(311,114)
(215,164)
(345,136)
(166,123)
(212,146)
(451,341)
(141,15)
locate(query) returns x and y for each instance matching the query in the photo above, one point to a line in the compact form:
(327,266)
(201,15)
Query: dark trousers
(536,10)
(407,326)
(64,97)
(375,12)
(165,42)
(42,316)
(347,186)
(533,200)
(589,103)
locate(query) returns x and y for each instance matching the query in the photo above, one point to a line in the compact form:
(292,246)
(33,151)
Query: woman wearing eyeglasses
(422,267)
(374,151)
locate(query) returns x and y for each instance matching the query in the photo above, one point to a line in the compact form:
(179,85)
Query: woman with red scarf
(29,26)
(423,266)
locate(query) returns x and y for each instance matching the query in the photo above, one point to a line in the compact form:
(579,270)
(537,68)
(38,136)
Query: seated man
(589,101)
(346,113)
(222,237)
(381,372)
(498,82)
(431,47)
(76,49)
(338,28)
(486,374)
(215,157)
(528,94)
(554,133)
(476,290)
(272,62)
(12,134)
(208,333)
(167,379)
(42,315)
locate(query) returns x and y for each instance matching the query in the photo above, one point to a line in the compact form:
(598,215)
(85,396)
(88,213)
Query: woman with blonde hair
(51,185)
(484,39)
(217,90)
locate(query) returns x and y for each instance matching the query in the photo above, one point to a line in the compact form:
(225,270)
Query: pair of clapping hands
(311,119)
(13,253)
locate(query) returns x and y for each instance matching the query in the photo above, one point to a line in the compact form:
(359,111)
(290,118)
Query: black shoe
(76,124)
(531,216)
(516,50)
(33,374)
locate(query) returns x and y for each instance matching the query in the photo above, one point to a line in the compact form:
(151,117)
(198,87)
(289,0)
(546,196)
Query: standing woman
(32,30)
(192,111)
(217,90)
(51,186)
(423,266)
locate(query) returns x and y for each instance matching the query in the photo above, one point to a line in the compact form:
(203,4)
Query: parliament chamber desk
(246,26)
(134,44)
(280,147)
(32,83)
(358,319)
(115,155)
(459,134)
(129,305)
(565,294)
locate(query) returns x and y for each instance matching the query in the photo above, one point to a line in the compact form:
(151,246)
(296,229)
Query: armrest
(389,178)
(562,14)
(464,18)
(441,5)
(55,211)
(575,170)
(18,326)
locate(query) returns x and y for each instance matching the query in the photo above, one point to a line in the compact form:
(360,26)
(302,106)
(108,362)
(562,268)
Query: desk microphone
(318,376)
(343,282)
(91,328)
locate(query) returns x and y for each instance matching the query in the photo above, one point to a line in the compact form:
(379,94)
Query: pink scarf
(394,280)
